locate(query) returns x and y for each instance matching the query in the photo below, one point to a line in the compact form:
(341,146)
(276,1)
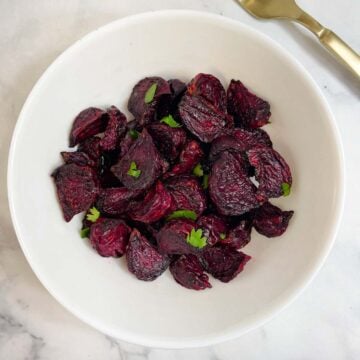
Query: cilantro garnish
(134,134)
(286,188)
(133,170)
(198,170)
(150,93)
(196,239)
(93,214)
(170,121)
(187,214)
(222,236)
(85,232)
(205,182)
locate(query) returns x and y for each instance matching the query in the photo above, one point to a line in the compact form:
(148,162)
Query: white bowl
(100,70)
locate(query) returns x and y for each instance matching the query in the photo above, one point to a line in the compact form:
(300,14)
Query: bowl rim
(275,307)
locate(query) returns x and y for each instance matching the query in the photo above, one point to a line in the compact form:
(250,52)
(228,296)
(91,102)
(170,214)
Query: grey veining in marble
(323,323)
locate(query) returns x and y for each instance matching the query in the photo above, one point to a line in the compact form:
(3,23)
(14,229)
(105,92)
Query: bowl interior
(100,70)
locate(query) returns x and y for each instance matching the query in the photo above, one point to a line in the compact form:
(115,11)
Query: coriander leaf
(169,120)
(198,170)
(187,214)
(150,93)
(222,236)
(134,134)
(205,182)
(196,239)
(85,232)
(286,188)
(93,214)
(133,170)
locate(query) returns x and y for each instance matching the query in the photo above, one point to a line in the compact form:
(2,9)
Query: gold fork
(288,9)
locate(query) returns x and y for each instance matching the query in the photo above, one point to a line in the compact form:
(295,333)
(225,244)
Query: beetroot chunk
(145,111)
(213,228)
(271,221)
(188,272)
(169,141)
(78,158)
(177,87)
(239,235)
(89,122)
(171,239)
(115,129)
(91,147)
(109,237)
(146,158)
(143,260)
(202,118)
(248,110)
(223,262)
(271,171)
(155,205)
(210,88)
(187,194)
(230,189)
(77,188)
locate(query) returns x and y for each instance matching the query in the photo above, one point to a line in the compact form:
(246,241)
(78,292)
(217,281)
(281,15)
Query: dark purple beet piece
(91,147)
(78,158)
(171,239)
(115,129)
(271,221)
(169,141)
(188,272)
(77,188)
(125,144)
(238,140)
(109,237)
(190,156)
(248,110)
(230,189)
(143,260)
(146,158)
(144,112)
(202,119)
(213,228)
(156,204)
(239,235)
(89,122)
(223,262)
(271,171)
(115,201)
(187,194)
(210,88)
(177,87)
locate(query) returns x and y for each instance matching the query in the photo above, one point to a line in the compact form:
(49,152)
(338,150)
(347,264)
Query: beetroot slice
(188,272)
(271,221)
(156,204)
(213,228)
(249,110)
(115,129)
(77,188)
(89,122)
(171,239)
(187,194)
(78,158)
(230,189)
(91,147)
(202,119)
(146,158)
(271,171)
(239,235)
(143,260)
(109,237)
(223,262)
(178,89)
(210,88)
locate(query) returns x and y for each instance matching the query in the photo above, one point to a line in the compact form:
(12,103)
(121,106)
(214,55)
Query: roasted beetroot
(77,188)
(214,228)
(188,272)
(141,165)
(223,262)
(177,88)
(91,147)
(248,110)
(271,221)
(109,237)
(89,122)
(239,235)
(77,157)
(271,171)
(143,260)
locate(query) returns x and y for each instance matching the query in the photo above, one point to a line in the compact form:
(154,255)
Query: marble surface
(323,323)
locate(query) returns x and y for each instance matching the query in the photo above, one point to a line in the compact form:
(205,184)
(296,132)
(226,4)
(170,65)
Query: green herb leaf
(134,134)
(198,170)
(196,239)
(85,232)
(205,182)
(150,93)
(222,236)
(133,170)
(286,188)
(186,214)
(93,214)
(169,120)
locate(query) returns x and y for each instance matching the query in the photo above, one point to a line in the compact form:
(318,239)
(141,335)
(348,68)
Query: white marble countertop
(323,323)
